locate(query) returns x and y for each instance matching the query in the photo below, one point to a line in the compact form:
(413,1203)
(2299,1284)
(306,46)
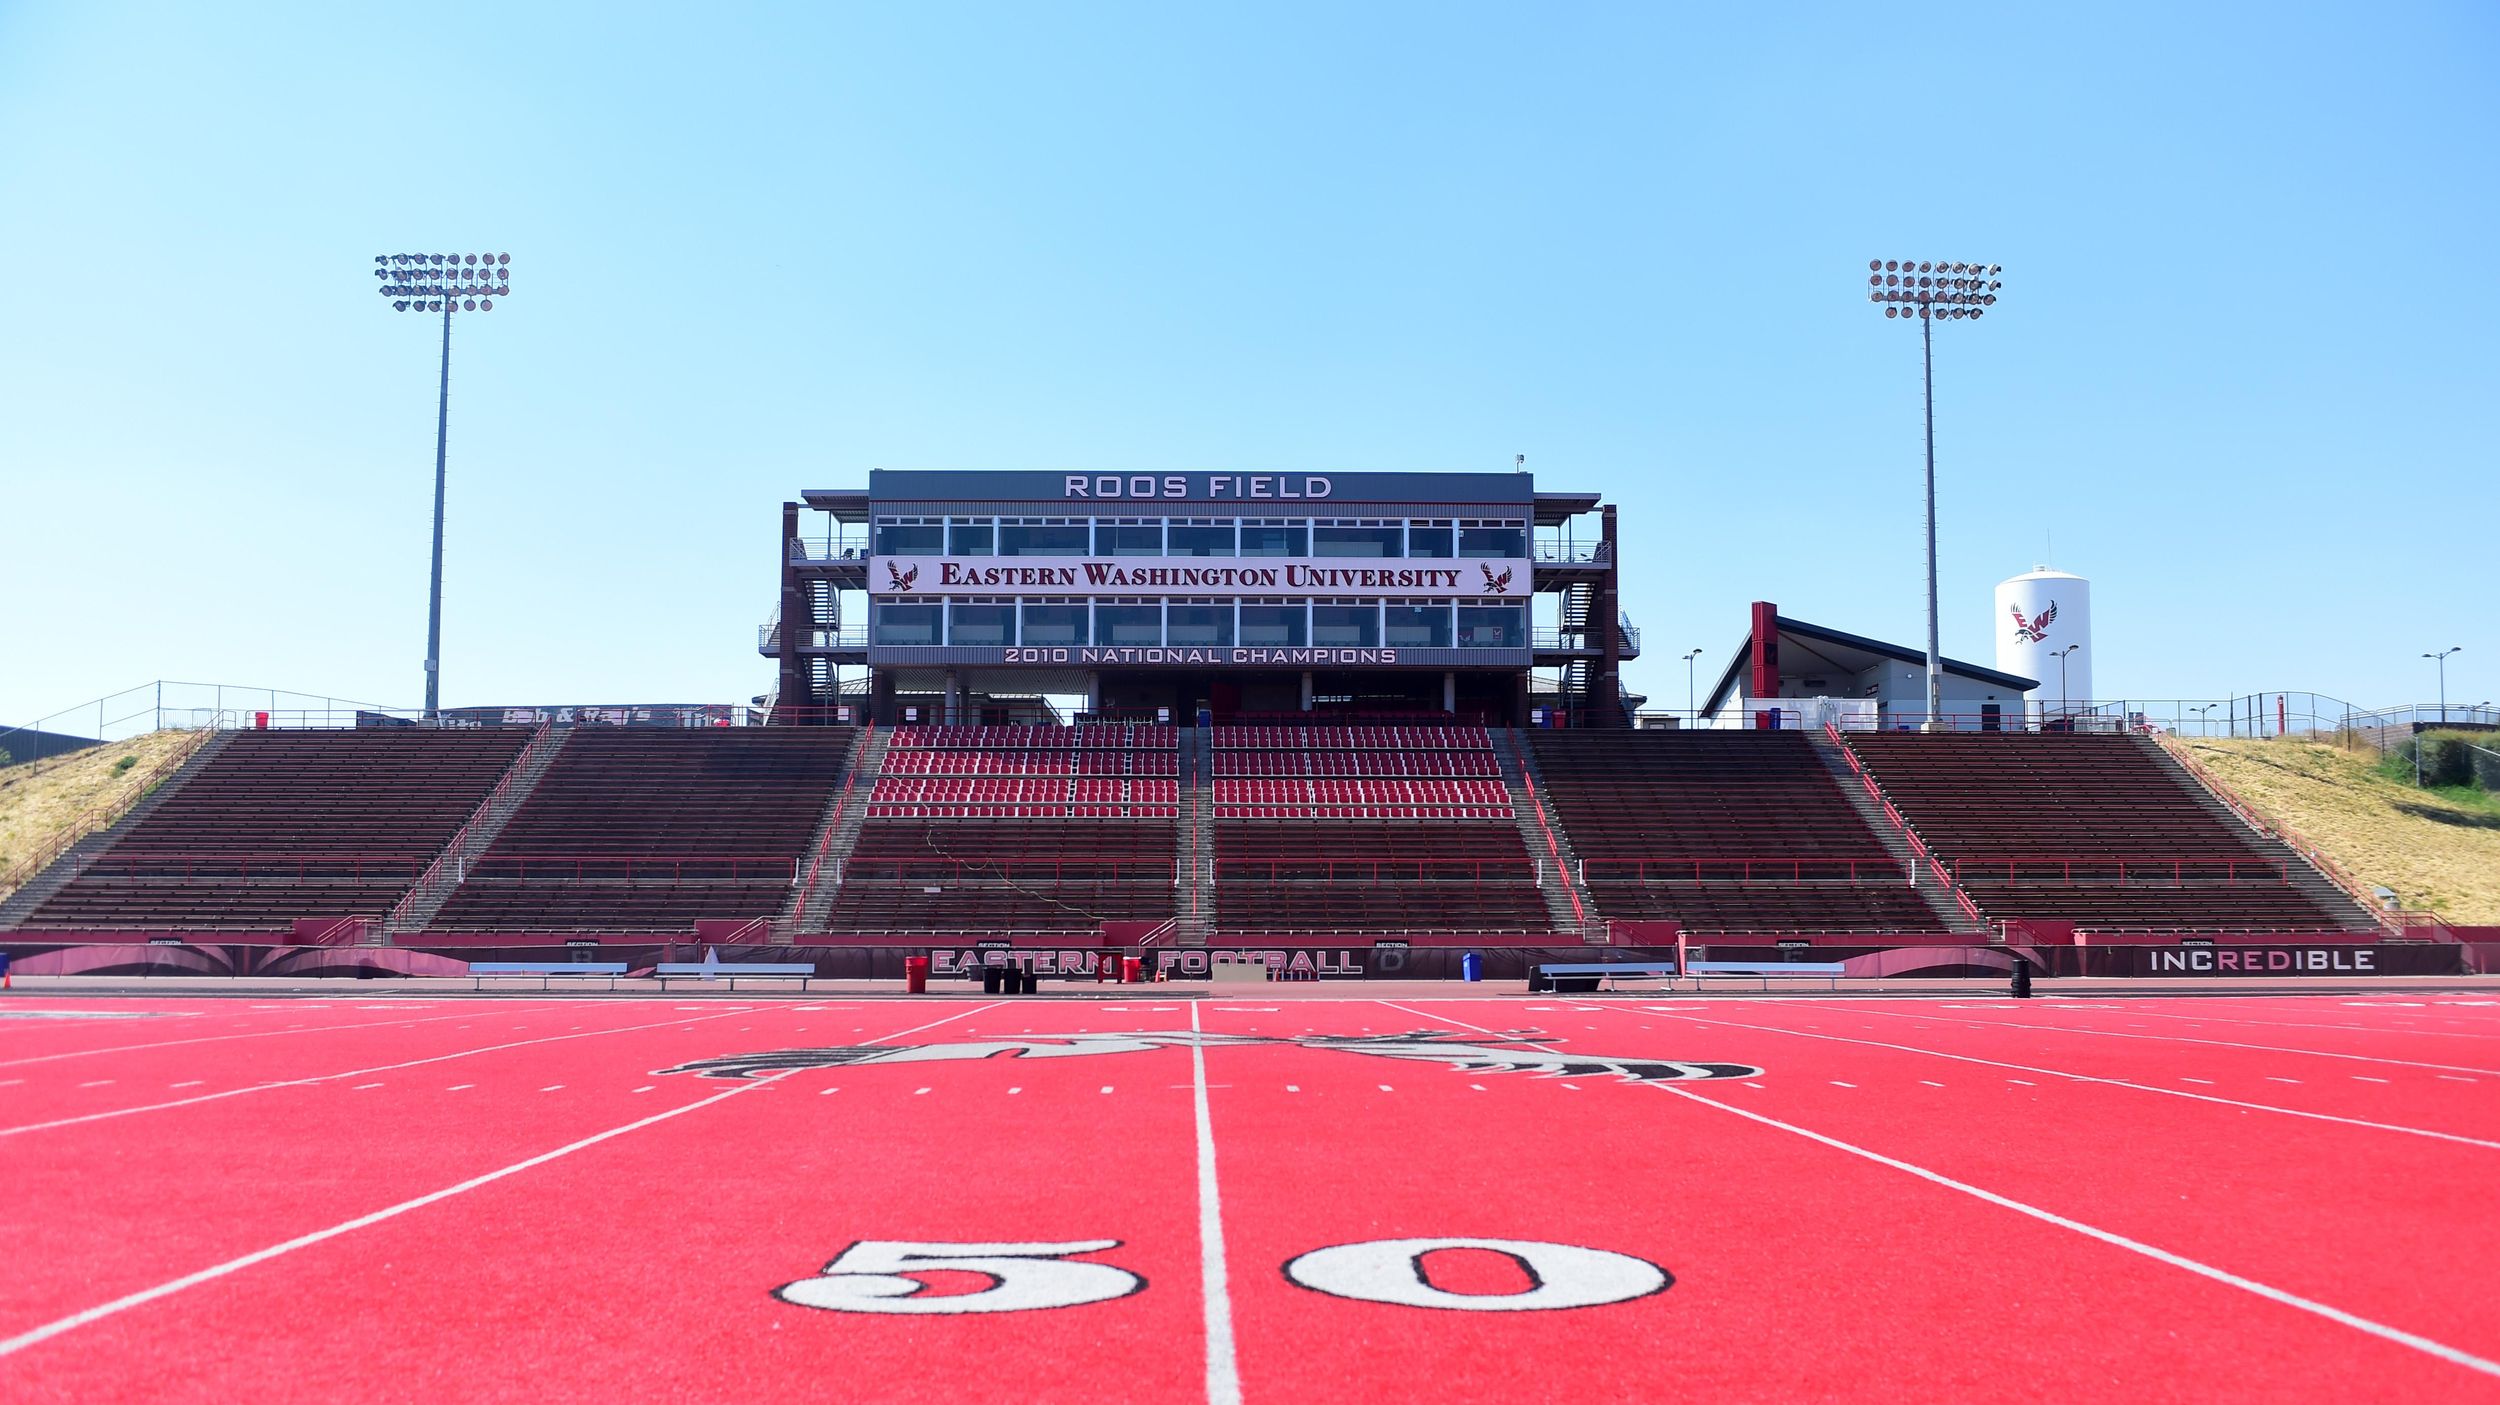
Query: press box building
(966,596)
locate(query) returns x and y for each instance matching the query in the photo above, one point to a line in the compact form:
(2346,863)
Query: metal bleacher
(282,825)
(1380,828)
(1722,832)
(2087,828)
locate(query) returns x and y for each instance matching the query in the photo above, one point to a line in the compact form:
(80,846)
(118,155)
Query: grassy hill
(73,795)
(2440,853)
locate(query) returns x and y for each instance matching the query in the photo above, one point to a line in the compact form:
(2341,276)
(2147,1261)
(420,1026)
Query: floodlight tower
(1930,290)
(444,283)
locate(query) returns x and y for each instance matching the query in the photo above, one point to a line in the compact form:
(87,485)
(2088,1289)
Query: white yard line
(2188,1039)
(2135,1246)
(216,1271)
(2179,1261)
(219,1038)
(1223,1367)
(333,1077)
(2106,1082)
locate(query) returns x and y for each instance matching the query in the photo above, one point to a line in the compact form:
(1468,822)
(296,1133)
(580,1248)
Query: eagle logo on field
(1497,585)
(900,582)
(1479,1054)
(2033,631)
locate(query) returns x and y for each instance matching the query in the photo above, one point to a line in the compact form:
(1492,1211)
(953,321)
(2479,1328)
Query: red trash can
(1131,969)
(916,975)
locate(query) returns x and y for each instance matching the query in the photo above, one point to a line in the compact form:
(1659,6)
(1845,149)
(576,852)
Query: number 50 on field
(882,1276)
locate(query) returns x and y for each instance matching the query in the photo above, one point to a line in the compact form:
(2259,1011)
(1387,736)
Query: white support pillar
(1449,690)
(954,697)
(1306,690)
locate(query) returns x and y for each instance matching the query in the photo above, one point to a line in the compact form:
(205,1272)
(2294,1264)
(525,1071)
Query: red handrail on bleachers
(1058,870)
(2025,869)
(1553,846)
(354,868)
(514,866)
(1793,868)
(1318,870)
(451,848)
(841,803)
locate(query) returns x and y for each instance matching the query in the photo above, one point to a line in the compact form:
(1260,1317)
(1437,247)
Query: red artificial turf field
(1284,1200)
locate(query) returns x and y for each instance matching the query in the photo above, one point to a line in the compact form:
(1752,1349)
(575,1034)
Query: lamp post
(1692,708)
(2204,723)
(2064,710)
(444,283)
(1908,288)
(2441,658)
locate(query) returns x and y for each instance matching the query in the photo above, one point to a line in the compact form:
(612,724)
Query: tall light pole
(1692,708)
(2441,658)
(2064,709)
(444,283)
(2204,723)
(1908,288)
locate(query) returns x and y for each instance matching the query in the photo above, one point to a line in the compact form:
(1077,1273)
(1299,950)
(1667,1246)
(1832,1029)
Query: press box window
(914,623)
(1128,624)
(1275,539)
(910,538)
(1043,539)
(1128,539)
(1198,625)
(1416,627)
(1372,542)
(984,626)
(1054,624)
(1429,539)
(1492,627)
(1201,539)
(1345,626)
(1492,542)
(1275,626)
(971,538)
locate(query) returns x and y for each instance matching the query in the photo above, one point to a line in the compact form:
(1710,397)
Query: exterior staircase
(1941,898)
(838,833)
(1194,845)
(450,868)
(1567,901)
(56,875)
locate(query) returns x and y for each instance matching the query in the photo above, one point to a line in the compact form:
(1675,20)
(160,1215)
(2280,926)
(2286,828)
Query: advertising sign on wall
(1093,577)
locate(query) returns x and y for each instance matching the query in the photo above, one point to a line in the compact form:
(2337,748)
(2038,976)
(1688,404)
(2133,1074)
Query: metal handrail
(494,867)
(901,871)
(1419,870)
(354,868)
(454,852)
(100,816)
(1709,868)
(2102,872)
(841,803)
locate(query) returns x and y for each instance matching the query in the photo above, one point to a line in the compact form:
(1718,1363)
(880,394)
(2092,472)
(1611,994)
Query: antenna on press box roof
(1519,463)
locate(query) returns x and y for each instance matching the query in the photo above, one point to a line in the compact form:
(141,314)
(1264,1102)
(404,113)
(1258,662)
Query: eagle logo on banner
(1493,584)
(1517,1052)
(2033,631)
(900,582)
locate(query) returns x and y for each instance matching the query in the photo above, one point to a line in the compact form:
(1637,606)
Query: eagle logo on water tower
(2035,630)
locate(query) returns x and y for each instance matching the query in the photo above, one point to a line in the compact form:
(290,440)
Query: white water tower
(2038,614)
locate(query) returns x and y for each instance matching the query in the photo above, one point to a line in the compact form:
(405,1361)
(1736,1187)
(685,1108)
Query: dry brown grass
(82,792)
(2437,855)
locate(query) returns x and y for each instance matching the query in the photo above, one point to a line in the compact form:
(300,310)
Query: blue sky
(2243,372)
